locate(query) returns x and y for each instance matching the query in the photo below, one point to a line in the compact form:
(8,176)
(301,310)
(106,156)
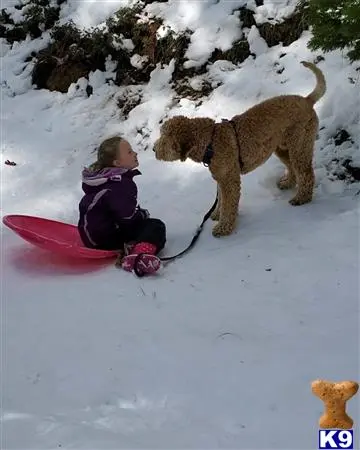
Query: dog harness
(209,151)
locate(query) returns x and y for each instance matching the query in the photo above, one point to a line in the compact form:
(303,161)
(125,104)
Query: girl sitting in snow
(110,218)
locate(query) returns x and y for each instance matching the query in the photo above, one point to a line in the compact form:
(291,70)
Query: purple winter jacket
(109,203)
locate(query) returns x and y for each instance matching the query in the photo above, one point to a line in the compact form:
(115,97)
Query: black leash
(196,235)
(168,259)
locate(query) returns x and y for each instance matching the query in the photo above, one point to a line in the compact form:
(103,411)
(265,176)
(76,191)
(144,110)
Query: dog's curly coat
(285,125)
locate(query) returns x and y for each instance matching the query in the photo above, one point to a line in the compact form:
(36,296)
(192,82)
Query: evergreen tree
(335,25)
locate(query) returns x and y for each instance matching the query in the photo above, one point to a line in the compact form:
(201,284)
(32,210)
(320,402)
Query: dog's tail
(320,87)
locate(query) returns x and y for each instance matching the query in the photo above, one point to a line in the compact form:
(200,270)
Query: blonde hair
(107,153)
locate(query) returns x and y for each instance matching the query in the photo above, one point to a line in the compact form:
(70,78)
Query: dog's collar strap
(241,164)
(209,152)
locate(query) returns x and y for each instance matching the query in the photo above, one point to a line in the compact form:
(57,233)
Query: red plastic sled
(54,236)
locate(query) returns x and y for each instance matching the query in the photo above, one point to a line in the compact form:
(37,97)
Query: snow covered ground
(220,348)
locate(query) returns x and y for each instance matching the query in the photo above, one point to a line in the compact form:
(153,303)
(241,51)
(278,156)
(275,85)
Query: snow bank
(91,13)
(215,24)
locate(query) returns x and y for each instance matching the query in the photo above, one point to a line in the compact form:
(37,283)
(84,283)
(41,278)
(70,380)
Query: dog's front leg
(216,213)
(230,196)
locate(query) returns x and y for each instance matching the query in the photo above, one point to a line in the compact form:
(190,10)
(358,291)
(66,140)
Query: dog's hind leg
(301,161)
(230,196)
(216,213)
(288,180)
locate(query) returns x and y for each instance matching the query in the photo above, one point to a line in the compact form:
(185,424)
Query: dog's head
(167,148)
(174,141)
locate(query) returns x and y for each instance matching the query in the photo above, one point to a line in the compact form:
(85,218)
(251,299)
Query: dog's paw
(215,215)
(222,230)
(297,201)
(285,183)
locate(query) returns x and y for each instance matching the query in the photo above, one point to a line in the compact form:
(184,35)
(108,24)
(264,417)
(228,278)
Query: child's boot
(142,259)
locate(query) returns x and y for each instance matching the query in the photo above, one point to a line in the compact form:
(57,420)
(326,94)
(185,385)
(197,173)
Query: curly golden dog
(285,125)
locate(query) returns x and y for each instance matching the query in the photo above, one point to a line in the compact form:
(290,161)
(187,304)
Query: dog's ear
(185,152)
(174,145)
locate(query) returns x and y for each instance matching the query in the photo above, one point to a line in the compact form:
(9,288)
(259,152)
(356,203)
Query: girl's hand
(145,213)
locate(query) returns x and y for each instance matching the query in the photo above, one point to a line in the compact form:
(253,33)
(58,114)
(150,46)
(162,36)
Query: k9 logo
(336,439)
